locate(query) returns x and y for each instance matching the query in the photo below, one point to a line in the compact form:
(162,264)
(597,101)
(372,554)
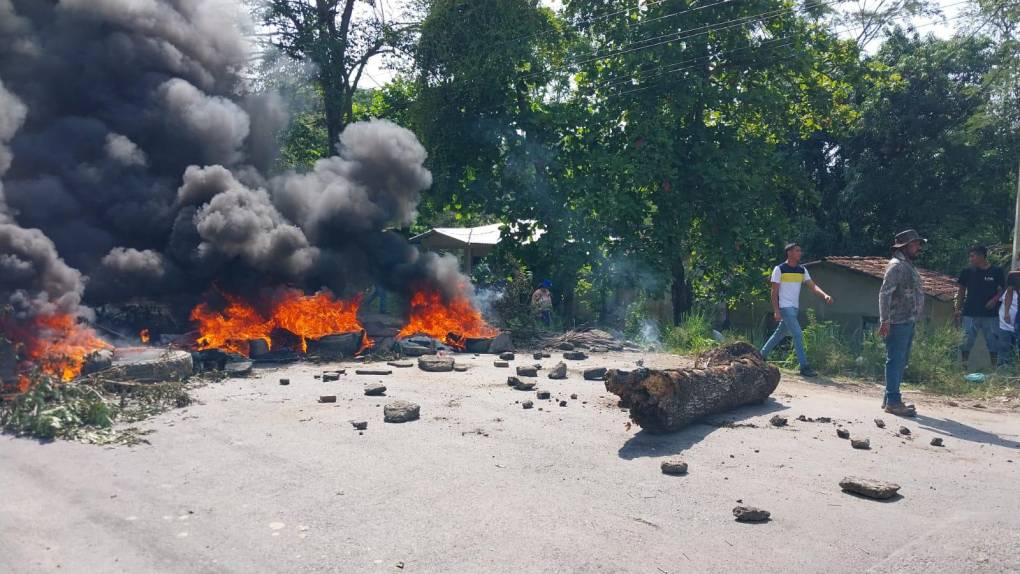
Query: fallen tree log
(667,400)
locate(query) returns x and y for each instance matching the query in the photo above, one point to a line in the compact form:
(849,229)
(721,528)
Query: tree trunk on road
(665,401)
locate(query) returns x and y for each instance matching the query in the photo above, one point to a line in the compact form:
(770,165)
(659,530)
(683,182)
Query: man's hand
(956,315)
(777,316)
(883,331)
(828,299)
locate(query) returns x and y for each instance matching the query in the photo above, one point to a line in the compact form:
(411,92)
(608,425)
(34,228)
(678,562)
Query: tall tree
(698,108)
(339,37)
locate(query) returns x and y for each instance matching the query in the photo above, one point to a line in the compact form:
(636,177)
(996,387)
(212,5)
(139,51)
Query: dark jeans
(547,317)
(1007,346)
(897,353)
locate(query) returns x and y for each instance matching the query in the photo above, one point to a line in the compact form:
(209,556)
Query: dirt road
(260,477)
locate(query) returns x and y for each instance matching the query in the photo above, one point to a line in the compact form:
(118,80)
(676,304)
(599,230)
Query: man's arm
(775,302)
(1008,302)
(889,285)
(1000,280)
(818,291)
(961,296)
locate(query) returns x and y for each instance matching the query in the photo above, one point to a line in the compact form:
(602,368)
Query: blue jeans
(1007,346)
(897,353)
(988,326)
(790,324)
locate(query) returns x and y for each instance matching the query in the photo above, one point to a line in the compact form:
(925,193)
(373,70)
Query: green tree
(338,37)
(695,115)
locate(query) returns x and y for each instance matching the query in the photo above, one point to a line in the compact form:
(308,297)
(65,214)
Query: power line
(693,33)
(654,84)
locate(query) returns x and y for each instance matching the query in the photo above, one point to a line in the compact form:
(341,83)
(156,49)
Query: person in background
(541,302)
(978,301)
(900,303)
(787,277)
(1008,335)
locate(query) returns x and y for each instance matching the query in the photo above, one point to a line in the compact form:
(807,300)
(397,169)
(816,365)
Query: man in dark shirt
(978,302)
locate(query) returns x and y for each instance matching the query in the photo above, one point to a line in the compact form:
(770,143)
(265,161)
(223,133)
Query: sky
(377,74)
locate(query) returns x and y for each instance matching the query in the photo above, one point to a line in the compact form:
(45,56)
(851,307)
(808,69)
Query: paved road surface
(261,478)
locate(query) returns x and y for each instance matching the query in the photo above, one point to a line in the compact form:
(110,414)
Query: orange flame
(55,343)
(306,316)
(144,336)
(448,321)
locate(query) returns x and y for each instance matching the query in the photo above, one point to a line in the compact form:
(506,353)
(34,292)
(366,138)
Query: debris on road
(519,384)
(559,371)
(563,403)
(527,404)
(751,514)
(778,421)
(870,488)
(401,412)
(400,364)
(573,396)
(595,374)
(937,441)
(285,382)
(542,395)
(460,368)
(842,433)
(674,467)
(328,376)
(434,364)
(527,372)
(860,443)
(376,372)
(375,390)
(359,425)
(880,423)
(507,356)
(327,398)
(501,364)
(575,356)
(904,431)
(668,400)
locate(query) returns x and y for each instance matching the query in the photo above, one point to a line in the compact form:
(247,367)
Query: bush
(692,335)
(934,358)
(826,348)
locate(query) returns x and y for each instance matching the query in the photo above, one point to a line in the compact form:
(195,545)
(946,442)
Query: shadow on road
(958,430)
(646,444)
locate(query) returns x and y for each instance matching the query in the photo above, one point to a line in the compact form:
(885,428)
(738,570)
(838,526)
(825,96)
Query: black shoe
(808,372)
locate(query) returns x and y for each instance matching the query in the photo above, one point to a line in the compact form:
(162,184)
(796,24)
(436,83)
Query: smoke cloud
(130,149)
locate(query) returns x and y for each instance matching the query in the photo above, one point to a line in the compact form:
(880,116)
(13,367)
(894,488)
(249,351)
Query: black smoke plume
(129,146)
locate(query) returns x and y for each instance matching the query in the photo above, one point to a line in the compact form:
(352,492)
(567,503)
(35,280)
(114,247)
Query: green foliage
(84,411)
(692,336)
(934,359)
(51,409)
(825,346)
(513,307)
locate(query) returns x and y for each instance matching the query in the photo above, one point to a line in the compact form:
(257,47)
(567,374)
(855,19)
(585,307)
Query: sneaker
(808,372)
(901,410)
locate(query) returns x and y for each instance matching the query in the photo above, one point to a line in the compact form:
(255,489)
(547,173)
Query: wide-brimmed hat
(905,237)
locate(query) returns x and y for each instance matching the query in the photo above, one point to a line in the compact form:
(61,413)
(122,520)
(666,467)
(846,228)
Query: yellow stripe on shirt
(791,278)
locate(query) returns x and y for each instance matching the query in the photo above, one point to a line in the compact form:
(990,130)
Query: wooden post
(1016,224)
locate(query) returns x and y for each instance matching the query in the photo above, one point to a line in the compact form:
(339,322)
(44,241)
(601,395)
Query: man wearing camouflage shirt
(900,303)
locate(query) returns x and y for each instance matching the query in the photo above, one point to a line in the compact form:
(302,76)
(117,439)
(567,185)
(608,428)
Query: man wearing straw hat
(900,303)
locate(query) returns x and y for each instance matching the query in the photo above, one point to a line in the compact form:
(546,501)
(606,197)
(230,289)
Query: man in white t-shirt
(787,277)
(1007,318)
